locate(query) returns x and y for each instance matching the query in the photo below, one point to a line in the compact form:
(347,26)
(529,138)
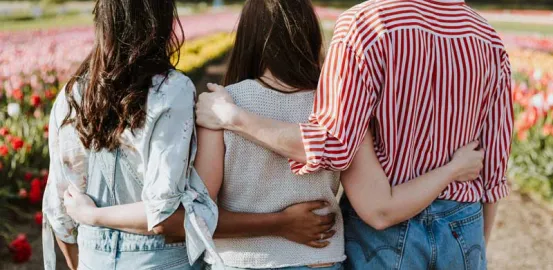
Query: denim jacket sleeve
(68,166)
(169,180)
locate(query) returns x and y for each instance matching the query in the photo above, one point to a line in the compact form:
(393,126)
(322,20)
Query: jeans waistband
(109,240)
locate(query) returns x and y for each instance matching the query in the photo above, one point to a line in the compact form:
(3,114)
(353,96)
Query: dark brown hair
(135,40)
(281,36)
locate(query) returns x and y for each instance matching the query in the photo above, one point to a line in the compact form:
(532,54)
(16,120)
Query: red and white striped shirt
(428,77)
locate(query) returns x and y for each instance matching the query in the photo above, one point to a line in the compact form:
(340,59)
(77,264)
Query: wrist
(93,217)
(280,223)
(234,121)
(451,172)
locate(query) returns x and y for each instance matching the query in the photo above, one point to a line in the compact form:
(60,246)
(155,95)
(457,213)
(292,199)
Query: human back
(257,180)
(437,75)
(273,71)
(122,132)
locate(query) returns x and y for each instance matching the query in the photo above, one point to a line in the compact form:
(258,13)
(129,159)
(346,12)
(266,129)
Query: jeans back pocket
(469,233)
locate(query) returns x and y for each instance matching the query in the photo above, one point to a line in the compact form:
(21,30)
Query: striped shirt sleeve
(343,105)
(496,139)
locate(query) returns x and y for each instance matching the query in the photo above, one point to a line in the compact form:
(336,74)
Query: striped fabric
(428,77)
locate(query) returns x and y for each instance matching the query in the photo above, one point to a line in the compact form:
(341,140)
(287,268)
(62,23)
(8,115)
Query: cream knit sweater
(257,180)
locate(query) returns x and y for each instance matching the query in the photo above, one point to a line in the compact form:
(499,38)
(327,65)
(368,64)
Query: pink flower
(4,131)
(23,193)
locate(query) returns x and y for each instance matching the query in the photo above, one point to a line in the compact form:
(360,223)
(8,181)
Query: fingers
(215,87)
(329,219)
(473,145)
(316,205)
(73,190)
(67,195)
(323,236)
(317,244)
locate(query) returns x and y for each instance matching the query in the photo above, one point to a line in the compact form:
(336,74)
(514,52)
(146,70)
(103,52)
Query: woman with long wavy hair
(123,133)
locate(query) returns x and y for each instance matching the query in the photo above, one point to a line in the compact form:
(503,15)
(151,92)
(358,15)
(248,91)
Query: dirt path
(523,237)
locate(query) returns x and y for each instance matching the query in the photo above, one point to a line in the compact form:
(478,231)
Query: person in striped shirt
(425,77)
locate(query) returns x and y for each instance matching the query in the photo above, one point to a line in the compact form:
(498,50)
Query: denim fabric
(336,266)
(447,235)
(153,165)
(109,183)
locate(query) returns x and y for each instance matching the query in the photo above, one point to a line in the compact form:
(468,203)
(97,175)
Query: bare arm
(382,206)
(128,217)
(490,211)
(217,110)
(296,223)
(70,252)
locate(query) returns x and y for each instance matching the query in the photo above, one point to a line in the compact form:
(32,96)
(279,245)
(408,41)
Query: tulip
(14,109)
(4,151)
(4,131)
(35,100)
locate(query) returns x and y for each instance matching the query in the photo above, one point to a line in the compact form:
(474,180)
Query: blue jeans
(446,235)
(337,266)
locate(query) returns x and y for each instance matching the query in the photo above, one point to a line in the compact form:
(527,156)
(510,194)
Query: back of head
(281,36)
(134,41)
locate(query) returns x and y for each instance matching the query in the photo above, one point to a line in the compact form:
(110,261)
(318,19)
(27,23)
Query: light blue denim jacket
(153,165)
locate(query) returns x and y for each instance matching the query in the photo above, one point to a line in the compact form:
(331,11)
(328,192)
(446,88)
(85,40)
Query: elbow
(160,230)
(379,220)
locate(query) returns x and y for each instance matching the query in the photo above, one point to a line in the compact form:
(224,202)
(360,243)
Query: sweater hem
(283,265)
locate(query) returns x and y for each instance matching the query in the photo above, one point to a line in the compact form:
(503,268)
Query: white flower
(538,74)
(14,109)
(538,101)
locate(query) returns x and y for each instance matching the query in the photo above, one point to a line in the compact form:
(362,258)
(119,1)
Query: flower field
(531,164)
(34,65)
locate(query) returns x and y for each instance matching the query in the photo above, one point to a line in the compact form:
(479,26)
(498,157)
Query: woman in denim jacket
(123,132)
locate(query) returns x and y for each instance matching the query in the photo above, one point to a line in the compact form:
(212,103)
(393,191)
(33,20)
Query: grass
(516,27)
(47,23)
(80,19)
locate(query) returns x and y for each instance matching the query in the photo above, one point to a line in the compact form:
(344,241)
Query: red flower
(46,130)
(4,131)
(3,150)
(38,218)
(23,193)
(50,94)
(35,100)
(35,194)
(17,94)
(44,174)
(20,249)
(17,143)
(28,176)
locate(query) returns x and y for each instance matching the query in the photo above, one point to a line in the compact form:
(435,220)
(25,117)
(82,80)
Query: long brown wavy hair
(281,36)
(135,40)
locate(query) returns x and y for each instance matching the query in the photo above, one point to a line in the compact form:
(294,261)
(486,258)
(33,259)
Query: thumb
(473,145)
(215,87)
(73,190)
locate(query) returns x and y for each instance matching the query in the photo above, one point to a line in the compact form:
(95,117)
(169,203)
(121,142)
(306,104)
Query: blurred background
(41,42)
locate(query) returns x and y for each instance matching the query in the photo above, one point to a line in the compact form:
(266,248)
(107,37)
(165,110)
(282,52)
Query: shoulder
(60,108)
(365,20)
(241,87)
(172,90)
